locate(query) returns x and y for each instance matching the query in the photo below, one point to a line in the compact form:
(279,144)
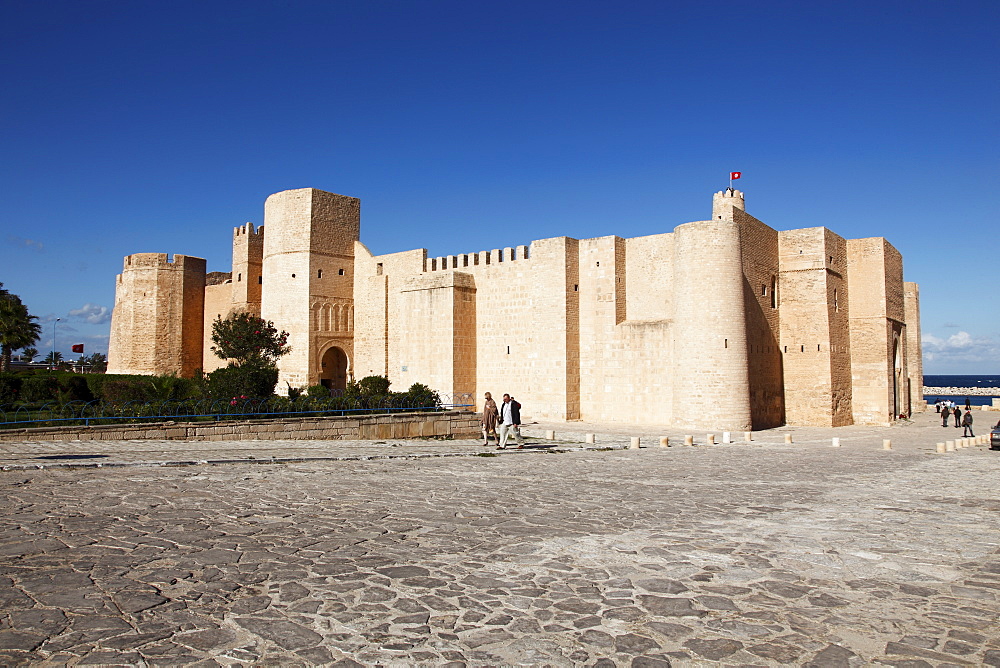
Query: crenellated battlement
(480,259)
(726,200)
(161,260)
(248,230)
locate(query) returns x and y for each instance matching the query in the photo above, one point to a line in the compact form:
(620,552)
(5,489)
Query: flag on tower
(735,175)
(77,347)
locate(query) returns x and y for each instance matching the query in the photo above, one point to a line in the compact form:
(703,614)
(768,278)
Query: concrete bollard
(688,440)
(748,436)
(664,441)
(949,446)
(634,444)
(788,438)
(710,439)
(550,435)
(590,439)
(836,441)
(886,444)
(727,437)
(959,443)
(940,447)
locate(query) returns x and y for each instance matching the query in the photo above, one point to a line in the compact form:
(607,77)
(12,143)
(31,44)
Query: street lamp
(53,365)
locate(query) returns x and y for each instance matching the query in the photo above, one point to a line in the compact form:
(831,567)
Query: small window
(340,272)
(836,300)
(598,264)
(319,273)
(378,269)
(576,288)
(260,280)
(293,275)
(763,290)
(239,277)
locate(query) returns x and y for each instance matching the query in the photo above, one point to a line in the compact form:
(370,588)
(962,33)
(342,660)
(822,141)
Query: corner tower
(156,327)
(248,261)
(308,283)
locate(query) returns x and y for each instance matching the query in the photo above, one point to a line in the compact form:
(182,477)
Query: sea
(963,381)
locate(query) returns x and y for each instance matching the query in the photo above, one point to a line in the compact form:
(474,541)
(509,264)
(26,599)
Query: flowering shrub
(243,338)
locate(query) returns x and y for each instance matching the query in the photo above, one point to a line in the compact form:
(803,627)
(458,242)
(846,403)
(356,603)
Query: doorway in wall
(333,369)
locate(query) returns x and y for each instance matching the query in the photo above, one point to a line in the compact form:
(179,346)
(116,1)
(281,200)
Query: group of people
(950,408)
(502,421)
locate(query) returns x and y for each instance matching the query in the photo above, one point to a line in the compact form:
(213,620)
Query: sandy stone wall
(156,327)
(914,358)
(724,323)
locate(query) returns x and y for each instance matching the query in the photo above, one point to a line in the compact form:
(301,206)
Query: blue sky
(462,126)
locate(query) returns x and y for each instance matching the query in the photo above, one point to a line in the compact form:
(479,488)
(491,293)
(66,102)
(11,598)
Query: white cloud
(92,313)
(961,352)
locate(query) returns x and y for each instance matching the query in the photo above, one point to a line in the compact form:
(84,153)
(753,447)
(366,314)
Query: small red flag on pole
(735,175)
(77,347)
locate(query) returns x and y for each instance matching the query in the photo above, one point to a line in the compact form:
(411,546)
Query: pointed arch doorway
(333,369)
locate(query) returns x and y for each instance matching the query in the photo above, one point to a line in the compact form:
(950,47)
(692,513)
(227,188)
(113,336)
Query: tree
(17,327)
(29,354)
(53,358)
(245,339)
(98,362)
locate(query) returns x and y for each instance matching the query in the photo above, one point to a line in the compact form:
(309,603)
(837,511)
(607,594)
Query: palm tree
(17,327)
(29,354)
(53,358)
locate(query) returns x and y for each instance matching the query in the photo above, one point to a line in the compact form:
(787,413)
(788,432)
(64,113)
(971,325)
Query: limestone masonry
(722,323)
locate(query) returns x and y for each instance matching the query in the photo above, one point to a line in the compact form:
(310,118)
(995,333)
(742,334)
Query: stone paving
(422,553)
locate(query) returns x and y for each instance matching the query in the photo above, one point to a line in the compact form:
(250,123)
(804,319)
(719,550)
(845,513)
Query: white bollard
(664,441)
(590,439)
(836,441)
(710,439)
(886,444)
(550,435)
(726,437)
(688,440)
(949,446)
(788,438)
(940,447)
(748,436)
(634,445)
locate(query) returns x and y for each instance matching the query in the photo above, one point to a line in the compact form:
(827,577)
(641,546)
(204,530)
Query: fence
(209,410)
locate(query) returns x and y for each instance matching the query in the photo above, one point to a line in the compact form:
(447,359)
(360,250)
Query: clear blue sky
(462,126)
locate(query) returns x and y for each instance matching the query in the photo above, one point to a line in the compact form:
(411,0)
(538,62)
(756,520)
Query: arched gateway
(333,369)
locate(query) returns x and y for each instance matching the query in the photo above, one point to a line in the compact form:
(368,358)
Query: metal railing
(195,410)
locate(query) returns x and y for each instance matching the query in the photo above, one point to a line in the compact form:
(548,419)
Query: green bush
(245,381)
(124,389)
(40,387)
(371,386)
(10,387)
(74,388)
(421,396)
(321,391)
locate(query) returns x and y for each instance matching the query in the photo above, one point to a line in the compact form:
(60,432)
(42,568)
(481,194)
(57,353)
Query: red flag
(735,175)
(77,347)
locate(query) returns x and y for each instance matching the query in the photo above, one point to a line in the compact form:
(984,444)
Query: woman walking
(489,420)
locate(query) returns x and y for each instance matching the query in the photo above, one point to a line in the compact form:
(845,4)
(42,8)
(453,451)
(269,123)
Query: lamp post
(53,365)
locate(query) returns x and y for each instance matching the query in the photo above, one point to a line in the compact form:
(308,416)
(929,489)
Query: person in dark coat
(967,424)
(958,417)
(944,415)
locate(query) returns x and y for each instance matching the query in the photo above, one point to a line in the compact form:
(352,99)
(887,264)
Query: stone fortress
(722,324)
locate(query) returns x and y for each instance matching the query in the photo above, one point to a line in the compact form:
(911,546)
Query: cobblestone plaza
(421,552)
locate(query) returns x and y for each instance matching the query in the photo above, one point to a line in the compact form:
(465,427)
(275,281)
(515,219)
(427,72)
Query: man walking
(944,415)
(967,424)
(510,421)
(957,412)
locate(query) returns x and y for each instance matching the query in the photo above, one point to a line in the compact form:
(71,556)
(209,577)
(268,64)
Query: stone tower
(248,261)
(156,327)
(308,283)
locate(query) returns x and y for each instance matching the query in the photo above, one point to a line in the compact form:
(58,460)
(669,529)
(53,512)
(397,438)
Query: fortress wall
(814,327)
(218,304)
(914,358)
(710,369)
(874,270)
(759,250)
(248,259)
(376,334)
(157,321)
(308,230)
(437,311)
